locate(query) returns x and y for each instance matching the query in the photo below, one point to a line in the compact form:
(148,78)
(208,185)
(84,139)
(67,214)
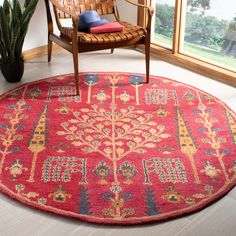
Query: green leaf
(17,12)
(7,8)
(2,51)
(26,3)
(14,24)
(5,32)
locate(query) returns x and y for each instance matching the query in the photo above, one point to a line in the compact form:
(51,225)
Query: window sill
(196,65)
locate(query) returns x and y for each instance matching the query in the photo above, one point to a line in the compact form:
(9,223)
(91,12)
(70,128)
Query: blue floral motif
(126,196)
(4,126)
(26,108)
(195,111)
(216,129)
(20,127)
(107,196)
(210,111)
(209,152)
(15,149)
(91,79)
(202,130)
(11,107)
(226,151)
(136,79)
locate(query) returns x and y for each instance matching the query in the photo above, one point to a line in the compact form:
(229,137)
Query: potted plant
(14,21)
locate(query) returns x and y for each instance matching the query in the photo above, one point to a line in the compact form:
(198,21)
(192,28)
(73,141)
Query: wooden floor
(218,219)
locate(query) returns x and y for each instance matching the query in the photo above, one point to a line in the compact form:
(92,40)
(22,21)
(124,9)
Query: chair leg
(147,59)
(76,71)
(49,50)
(112,50)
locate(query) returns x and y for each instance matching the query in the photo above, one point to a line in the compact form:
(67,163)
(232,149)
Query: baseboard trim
(38,52)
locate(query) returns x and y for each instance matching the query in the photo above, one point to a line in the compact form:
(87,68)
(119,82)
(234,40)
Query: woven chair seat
(130,32)
(76,41)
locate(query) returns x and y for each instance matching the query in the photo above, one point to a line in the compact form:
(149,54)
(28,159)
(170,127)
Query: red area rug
(124,152)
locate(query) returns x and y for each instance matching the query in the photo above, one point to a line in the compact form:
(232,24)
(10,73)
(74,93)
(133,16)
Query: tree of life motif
(10,134)
(114,133)
(212,139)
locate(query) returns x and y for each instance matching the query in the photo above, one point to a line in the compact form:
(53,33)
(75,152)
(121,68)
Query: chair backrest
(103,7)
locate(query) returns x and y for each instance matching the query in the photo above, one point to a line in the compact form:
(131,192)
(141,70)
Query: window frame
(217,72)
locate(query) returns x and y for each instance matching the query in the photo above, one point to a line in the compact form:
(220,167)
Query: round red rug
(124,152)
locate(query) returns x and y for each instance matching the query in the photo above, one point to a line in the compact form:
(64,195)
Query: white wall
(37,33)
(127,11)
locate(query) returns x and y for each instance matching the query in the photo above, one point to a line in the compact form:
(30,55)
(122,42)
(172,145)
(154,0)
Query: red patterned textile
(123,153)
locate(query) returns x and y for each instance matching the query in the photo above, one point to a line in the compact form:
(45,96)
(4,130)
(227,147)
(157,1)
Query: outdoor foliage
(14,21)
(196,4)
(164,20)
(207,31)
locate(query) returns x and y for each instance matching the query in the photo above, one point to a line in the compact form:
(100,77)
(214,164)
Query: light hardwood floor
(217,219)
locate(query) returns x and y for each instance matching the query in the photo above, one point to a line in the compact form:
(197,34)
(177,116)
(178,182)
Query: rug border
(127,221)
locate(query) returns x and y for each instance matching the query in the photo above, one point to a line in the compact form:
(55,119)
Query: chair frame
(73,46)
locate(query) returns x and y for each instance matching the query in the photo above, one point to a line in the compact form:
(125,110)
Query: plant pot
(13,72)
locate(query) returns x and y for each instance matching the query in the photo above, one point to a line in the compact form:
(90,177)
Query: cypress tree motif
(38,141)
(186,144)
(84,203)
(152,208)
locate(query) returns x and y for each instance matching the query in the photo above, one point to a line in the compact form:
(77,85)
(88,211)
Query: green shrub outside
(207,31)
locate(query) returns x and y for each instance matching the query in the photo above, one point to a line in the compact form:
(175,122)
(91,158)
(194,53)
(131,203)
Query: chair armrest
(137,4)
(75,20)
(150,11)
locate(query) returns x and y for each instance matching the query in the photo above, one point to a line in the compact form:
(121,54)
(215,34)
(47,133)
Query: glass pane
(210,31)
(163,26)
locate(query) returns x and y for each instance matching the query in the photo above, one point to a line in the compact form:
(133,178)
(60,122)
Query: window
(164,22)
(210,32)
(198,31)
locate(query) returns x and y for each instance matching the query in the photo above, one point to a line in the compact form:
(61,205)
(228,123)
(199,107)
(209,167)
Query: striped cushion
(130,31)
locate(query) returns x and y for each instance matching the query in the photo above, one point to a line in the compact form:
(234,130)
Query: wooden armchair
(75,41)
